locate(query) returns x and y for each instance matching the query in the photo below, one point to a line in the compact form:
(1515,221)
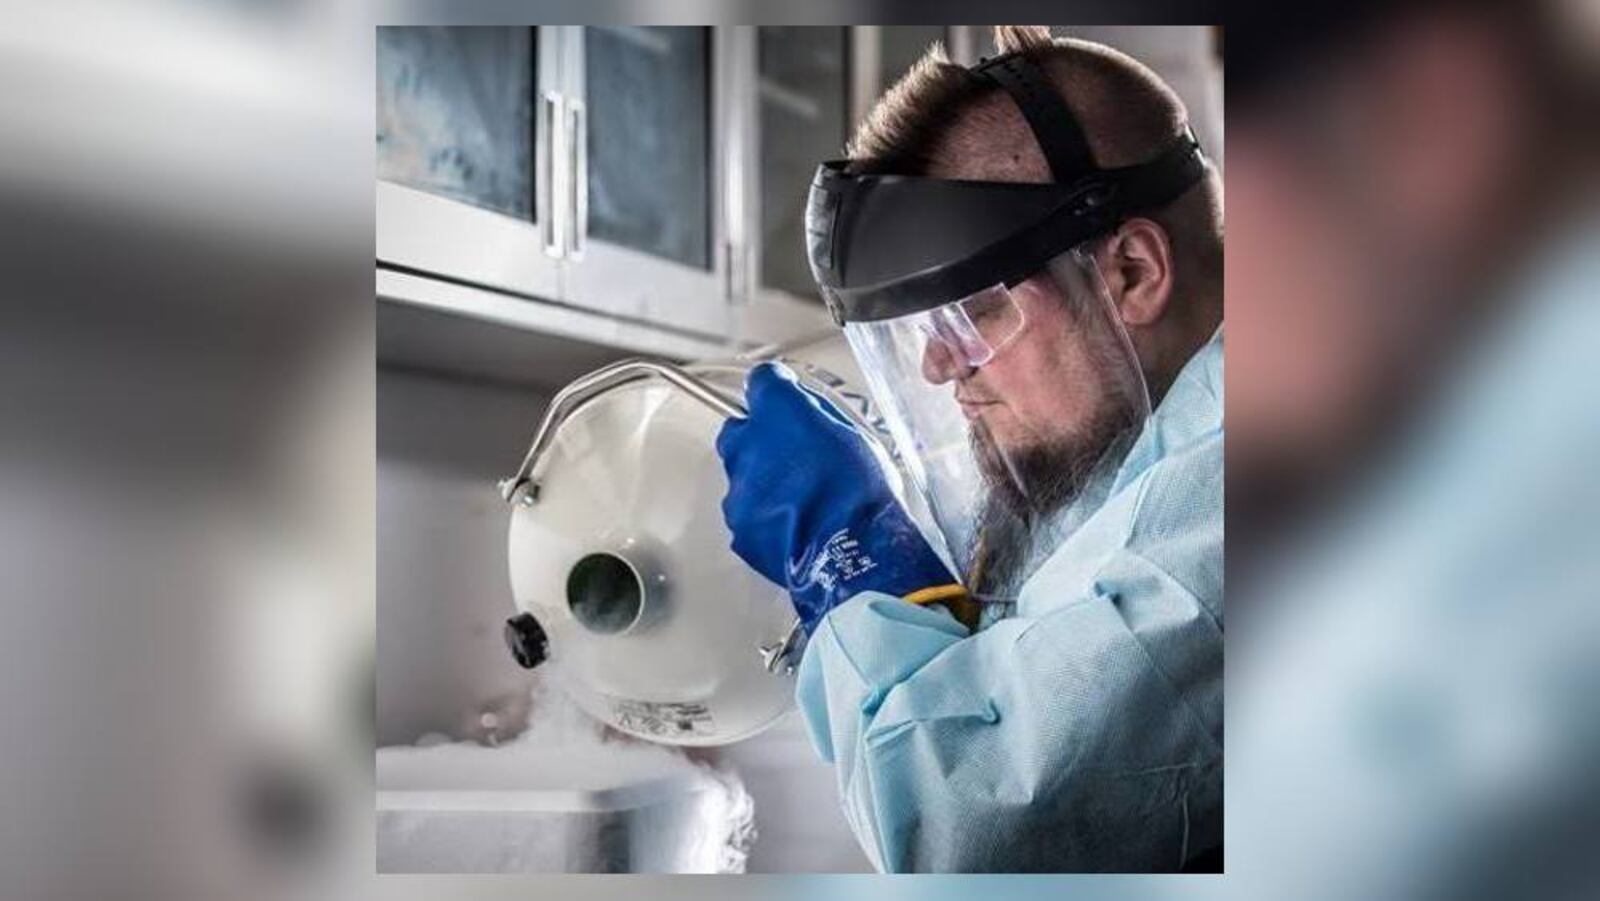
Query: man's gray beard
(1034,499)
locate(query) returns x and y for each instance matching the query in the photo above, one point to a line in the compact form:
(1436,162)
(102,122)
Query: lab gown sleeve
(1083,734)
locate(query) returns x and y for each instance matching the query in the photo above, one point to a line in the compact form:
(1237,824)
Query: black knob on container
(527,641)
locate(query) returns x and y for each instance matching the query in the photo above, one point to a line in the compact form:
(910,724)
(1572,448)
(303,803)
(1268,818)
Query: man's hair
(941,121)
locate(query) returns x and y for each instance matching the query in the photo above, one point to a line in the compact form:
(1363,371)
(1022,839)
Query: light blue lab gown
(1083,733)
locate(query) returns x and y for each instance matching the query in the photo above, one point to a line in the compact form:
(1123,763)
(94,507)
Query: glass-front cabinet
(463,170)
(803,92)
(564,165)
(654,176)
(643,116)
(808,89)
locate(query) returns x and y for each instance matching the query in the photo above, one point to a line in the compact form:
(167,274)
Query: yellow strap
(955,599)
(936,594)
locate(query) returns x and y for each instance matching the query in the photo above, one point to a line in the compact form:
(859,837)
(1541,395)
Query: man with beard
(1014,659)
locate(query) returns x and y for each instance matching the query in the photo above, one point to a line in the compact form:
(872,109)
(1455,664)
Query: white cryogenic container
(626,587)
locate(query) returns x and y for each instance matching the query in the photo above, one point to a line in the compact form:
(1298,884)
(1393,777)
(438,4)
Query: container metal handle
(587,387)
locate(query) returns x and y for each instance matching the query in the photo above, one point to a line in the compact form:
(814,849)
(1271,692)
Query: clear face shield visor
(1010,409)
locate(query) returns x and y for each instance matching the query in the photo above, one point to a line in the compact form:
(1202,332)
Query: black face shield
(882,246)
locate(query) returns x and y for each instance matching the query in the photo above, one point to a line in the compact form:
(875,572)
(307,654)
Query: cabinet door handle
(578,165)
(552,177)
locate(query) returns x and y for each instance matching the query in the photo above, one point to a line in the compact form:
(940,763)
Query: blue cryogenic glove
(810,509)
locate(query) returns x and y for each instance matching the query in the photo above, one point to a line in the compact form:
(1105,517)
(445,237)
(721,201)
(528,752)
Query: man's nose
(940,363)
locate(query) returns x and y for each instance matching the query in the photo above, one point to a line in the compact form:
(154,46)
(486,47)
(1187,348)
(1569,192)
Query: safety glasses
(969,332)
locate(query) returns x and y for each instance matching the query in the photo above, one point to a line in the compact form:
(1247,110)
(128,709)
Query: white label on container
(663,719)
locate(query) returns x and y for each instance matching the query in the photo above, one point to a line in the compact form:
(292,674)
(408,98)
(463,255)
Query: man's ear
(1136,263)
